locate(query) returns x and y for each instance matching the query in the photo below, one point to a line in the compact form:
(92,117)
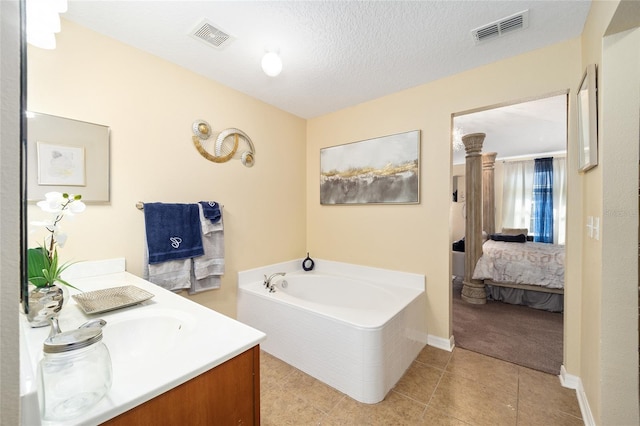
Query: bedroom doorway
(518,132)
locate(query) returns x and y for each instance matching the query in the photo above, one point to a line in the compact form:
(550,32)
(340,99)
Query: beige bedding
(532,263)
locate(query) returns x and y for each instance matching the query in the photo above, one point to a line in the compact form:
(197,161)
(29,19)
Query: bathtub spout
(267,281)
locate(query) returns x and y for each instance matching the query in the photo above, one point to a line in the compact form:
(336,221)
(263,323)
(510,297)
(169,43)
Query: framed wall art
(60,165)
(587,120)
(384,170)
(67,155)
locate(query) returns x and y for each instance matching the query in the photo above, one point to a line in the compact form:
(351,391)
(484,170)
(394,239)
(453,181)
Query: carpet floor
(518,334)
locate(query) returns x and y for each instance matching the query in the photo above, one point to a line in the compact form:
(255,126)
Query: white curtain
(559,200)
(517,192)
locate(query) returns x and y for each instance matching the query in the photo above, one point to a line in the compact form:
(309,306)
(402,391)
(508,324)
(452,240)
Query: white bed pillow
(515,231)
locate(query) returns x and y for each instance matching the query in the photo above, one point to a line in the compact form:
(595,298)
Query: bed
(528,273)
(524,272)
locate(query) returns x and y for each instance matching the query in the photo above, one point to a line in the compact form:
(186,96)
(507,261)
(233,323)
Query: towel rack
(140,205)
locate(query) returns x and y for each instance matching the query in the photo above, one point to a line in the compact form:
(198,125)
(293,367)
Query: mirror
(67,155)
(64,155)
(587,121)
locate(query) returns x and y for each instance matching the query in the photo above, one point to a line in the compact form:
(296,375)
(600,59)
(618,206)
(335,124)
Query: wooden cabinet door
(226,395)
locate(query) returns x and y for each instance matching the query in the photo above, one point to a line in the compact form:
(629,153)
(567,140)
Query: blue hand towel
(173,231)
(211,210)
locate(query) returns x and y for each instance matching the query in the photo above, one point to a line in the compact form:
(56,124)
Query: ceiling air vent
(210,34)
(512,23)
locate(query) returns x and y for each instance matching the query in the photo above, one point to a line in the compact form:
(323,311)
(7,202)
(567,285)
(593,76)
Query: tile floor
(440,388)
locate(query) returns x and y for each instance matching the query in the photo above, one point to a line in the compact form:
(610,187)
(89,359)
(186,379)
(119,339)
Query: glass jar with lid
(74,374)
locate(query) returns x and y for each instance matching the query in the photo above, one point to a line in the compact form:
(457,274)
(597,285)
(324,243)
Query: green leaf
(37,263)
(67,284)
(42,271)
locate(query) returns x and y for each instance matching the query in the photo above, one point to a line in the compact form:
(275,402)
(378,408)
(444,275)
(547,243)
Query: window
(518,197)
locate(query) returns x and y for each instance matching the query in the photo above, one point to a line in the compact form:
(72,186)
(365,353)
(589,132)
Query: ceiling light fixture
(271,64)
(43,21)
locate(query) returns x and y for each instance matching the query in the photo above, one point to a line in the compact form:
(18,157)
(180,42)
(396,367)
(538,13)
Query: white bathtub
(352,327)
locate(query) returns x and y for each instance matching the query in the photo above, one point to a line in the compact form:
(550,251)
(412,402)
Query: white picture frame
(60,164)
(587,107)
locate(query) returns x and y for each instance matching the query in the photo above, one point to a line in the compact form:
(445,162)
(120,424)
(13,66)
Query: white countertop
(206,339)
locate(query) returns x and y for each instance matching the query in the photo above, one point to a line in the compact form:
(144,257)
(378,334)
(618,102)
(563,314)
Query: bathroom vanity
(174,361)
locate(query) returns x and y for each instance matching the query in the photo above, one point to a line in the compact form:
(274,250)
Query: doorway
(518,132)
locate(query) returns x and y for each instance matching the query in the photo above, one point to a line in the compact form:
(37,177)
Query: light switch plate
(590,226)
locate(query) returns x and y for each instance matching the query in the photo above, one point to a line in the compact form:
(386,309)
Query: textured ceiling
(336,54)
(533,127)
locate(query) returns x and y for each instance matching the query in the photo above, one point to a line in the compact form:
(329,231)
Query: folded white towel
(212,261)
(208,283)
(174,275)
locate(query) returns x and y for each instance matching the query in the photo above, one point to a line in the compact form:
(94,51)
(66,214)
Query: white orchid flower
(61,238)
(61,205)
(45,206)
(77,206)
(52,202)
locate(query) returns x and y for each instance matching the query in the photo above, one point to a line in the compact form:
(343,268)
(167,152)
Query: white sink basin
(147,337)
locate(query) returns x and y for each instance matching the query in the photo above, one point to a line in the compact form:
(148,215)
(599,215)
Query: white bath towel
(208,268)
(207,283)
(174,275)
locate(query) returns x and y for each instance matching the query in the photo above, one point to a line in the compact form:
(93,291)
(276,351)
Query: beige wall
(588,202)
(609,333)
(150,105)
(619,287)
(416,238)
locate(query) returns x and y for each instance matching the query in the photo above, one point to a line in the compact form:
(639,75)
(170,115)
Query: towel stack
(185,245)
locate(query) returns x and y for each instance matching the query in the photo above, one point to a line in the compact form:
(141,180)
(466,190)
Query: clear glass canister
(74,374)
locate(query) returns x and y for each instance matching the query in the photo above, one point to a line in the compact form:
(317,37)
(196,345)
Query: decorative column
(488,193)
(473,290)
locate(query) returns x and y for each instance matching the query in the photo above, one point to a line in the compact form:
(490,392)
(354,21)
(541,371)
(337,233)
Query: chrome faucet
(267,281)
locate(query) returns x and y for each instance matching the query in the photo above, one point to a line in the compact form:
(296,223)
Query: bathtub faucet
(267,281)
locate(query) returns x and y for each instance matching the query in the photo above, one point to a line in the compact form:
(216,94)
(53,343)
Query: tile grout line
(329,414)
(344,396)
(435,388)
(443,372)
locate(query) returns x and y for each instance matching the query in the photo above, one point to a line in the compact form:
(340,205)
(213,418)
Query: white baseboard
(441,343)
(574,382)
(569,380)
